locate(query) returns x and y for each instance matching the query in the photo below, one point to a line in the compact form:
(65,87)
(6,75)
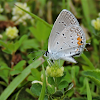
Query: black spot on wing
(77,54)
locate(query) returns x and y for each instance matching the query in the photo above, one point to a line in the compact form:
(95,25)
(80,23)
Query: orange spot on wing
(76,50)
(79,41)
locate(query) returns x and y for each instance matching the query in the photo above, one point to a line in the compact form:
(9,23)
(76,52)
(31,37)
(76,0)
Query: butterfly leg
(49,62)
(59,62)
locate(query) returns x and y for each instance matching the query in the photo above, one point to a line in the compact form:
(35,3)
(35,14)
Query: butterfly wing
(65,19)
(70,42)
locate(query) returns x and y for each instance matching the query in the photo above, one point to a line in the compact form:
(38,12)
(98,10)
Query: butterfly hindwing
(70,41)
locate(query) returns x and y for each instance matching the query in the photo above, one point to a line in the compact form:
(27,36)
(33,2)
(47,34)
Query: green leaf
(3,83)
(29,91)
(86,67)
(13,85)
(20,65)
(6,48)
(51,80)
(23,95)
(63,84)
(58,93)
(68,75)
(51,89)
(3,18)
(36,74)
(30,78)
(94,75)
(41,31)
(4,71)
(29,44)
(36,89)
(18,68)
(19,42)
(59,79)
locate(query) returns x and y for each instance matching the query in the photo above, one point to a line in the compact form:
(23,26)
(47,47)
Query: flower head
(96,24)
(1,9)
(12,32)
(20,16)
(1,36)
(54,71)
(99,14)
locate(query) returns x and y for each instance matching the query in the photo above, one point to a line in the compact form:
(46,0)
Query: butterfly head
(46,54)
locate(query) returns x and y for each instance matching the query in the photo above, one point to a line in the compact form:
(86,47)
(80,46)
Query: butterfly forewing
(65,19)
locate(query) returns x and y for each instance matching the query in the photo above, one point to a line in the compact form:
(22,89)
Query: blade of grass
(85,7)
(43,86)
(13,85)
(63,4)
(89,96)
(88,61)
(36,17)
(68,5)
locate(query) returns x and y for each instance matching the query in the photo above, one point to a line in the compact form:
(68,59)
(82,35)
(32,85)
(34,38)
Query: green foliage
(93,75)
(40,31)
(19,69)
(36,89)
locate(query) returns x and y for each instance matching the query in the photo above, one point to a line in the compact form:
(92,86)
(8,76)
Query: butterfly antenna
(38,54)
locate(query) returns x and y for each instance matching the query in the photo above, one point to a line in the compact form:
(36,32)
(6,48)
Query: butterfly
(66,39)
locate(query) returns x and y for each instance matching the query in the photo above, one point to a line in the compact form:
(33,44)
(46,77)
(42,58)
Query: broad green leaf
(58,93)
(50,89)
(36,74)
(5,47)
(63,84)
(85,67)
(17,80)
(68,75)
(59,79)
(30,78)
(51,80)
(3,18)
(41,31)
(19,42)
(11,47)
(20,65)
(29,91)
(94,75)
(29,44)
(36,89)
(4,71)
(3,83)
(18,68)
(23,95)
